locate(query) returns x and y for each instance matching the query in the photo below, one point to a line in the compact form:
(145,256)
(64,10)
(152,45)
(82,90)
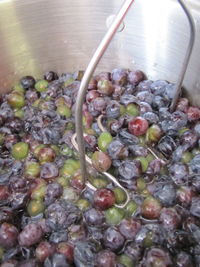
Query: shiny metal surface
(38,35)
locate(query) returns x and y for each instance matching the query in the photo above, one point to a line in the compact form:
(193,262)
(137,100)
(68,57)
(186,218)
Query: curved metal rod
(86,78)
(187,56)
(108,175)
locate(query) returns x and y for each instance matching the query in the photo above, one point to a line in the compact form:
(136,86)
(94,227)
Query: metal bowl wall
(61,35)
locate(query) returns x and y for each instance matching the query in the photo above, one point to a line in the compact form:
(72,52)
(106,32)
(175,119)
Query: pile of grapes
(48,217)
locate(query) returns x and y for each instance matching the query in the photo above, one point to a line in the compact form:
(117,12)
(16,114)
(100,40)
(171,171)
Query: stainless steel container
(61,35)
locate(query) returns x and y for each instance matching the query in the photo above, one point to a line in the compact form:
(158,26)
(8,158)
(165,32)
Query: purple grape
(113,239)
(117,150)
(94,217)
(106,258)
(130,169)
(30,235)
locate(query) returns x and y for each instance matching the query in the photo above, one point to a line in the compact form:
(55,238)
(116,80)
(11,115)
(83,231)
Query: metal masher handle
(86,78)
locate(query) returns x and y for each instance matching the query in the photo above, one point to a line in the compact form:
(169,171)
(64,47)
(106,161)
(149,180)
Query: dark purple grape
(126,99)
(158,87)
(18,200)
(165,192)
(18,184)
(154,167)
(49,171)
(130,169)
(84,254)
(166,146)
(106,258)
(196,183)
(159,102)
(195,164)
(91,95)
(113,239)
(179,173)
(31,95)
(56,260)
(57,237)
(91,142)
(117,150)
(59,215)
(30,235)
(44,250)
(169,91)
(178,153)
(169,218)
(144,85)
(144,108)
(129,228)
(195,207)
(113,109)
(6,214)
(197,129)
(116,125)
(183,259)
(145,96)
(99,104)
(135,77)
(179,239)
(127,138)
(27,82)
(151,117)
(138,151)
(118,91)
(158,257)
(53,191)
(119,76)
(189,138)
(50,76)
(8,235)
(76,233)
(94,217)
(15,125)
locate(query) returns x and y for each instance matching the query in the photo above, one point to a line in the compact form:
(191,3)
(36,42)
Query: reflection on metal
(187,56)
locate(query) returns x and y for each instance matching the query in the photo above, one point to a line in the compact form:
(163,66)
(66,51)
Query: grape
(119,76)
(113,110)
(195,207)
(129,228)
(104,198)
(113,239)
(8,235)
(30,235)
(117,150)
(158,257)
(67,250)
(165,192)
(84,254)
(183,259)
(94,217)
(106,258)
(56,260)
(179,173)
(44,250)
(151,208)
(130,169)
(170,218)
(138,126)
(49,171)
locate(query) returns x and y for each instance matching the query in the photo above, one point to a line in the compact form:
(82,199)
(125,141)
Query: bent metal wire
(80,146)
